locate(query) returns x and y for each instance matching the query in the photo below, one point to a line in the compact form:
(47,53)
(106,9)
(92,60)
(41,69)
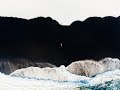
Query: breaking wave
(59,78)
(108,80)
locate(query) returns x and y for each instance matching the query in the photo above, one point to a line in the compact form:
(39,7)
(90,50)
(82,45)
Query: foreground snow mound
(58,74)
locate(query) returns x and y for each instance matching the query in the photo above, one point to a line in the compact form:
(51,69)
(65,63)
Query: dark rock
(9,65)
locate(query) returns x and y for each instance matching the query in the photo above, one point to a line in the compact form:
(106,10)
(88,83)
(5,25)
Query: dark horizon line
(48,17)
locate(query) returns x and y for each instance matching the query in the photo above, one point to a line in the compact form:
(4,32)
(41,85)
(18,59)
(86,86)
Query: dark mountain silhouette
(41,37)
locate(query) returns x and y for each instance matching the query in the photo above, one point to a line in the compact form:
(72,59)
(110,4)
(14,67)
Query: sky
(64,11)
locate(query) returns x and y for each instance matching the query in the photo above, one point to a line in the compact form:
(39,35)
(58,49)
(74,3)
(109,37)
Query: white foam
(34,84)
(104,77)
(110,64)
(19,83)
(57,74)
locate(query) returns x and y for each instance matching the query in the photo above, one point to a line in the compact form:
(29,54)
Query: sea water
(109,80)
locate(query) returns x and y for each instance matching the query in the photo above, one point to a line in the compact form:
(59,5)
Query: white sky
(64,11)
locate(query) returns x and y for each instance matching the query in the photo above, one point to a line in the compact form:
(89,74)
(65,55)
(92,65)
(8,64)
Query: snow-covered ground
(19,83)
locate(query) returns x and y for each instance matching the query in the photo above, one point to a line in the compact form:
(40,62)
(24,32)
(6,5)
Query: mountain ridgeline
(46,39)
